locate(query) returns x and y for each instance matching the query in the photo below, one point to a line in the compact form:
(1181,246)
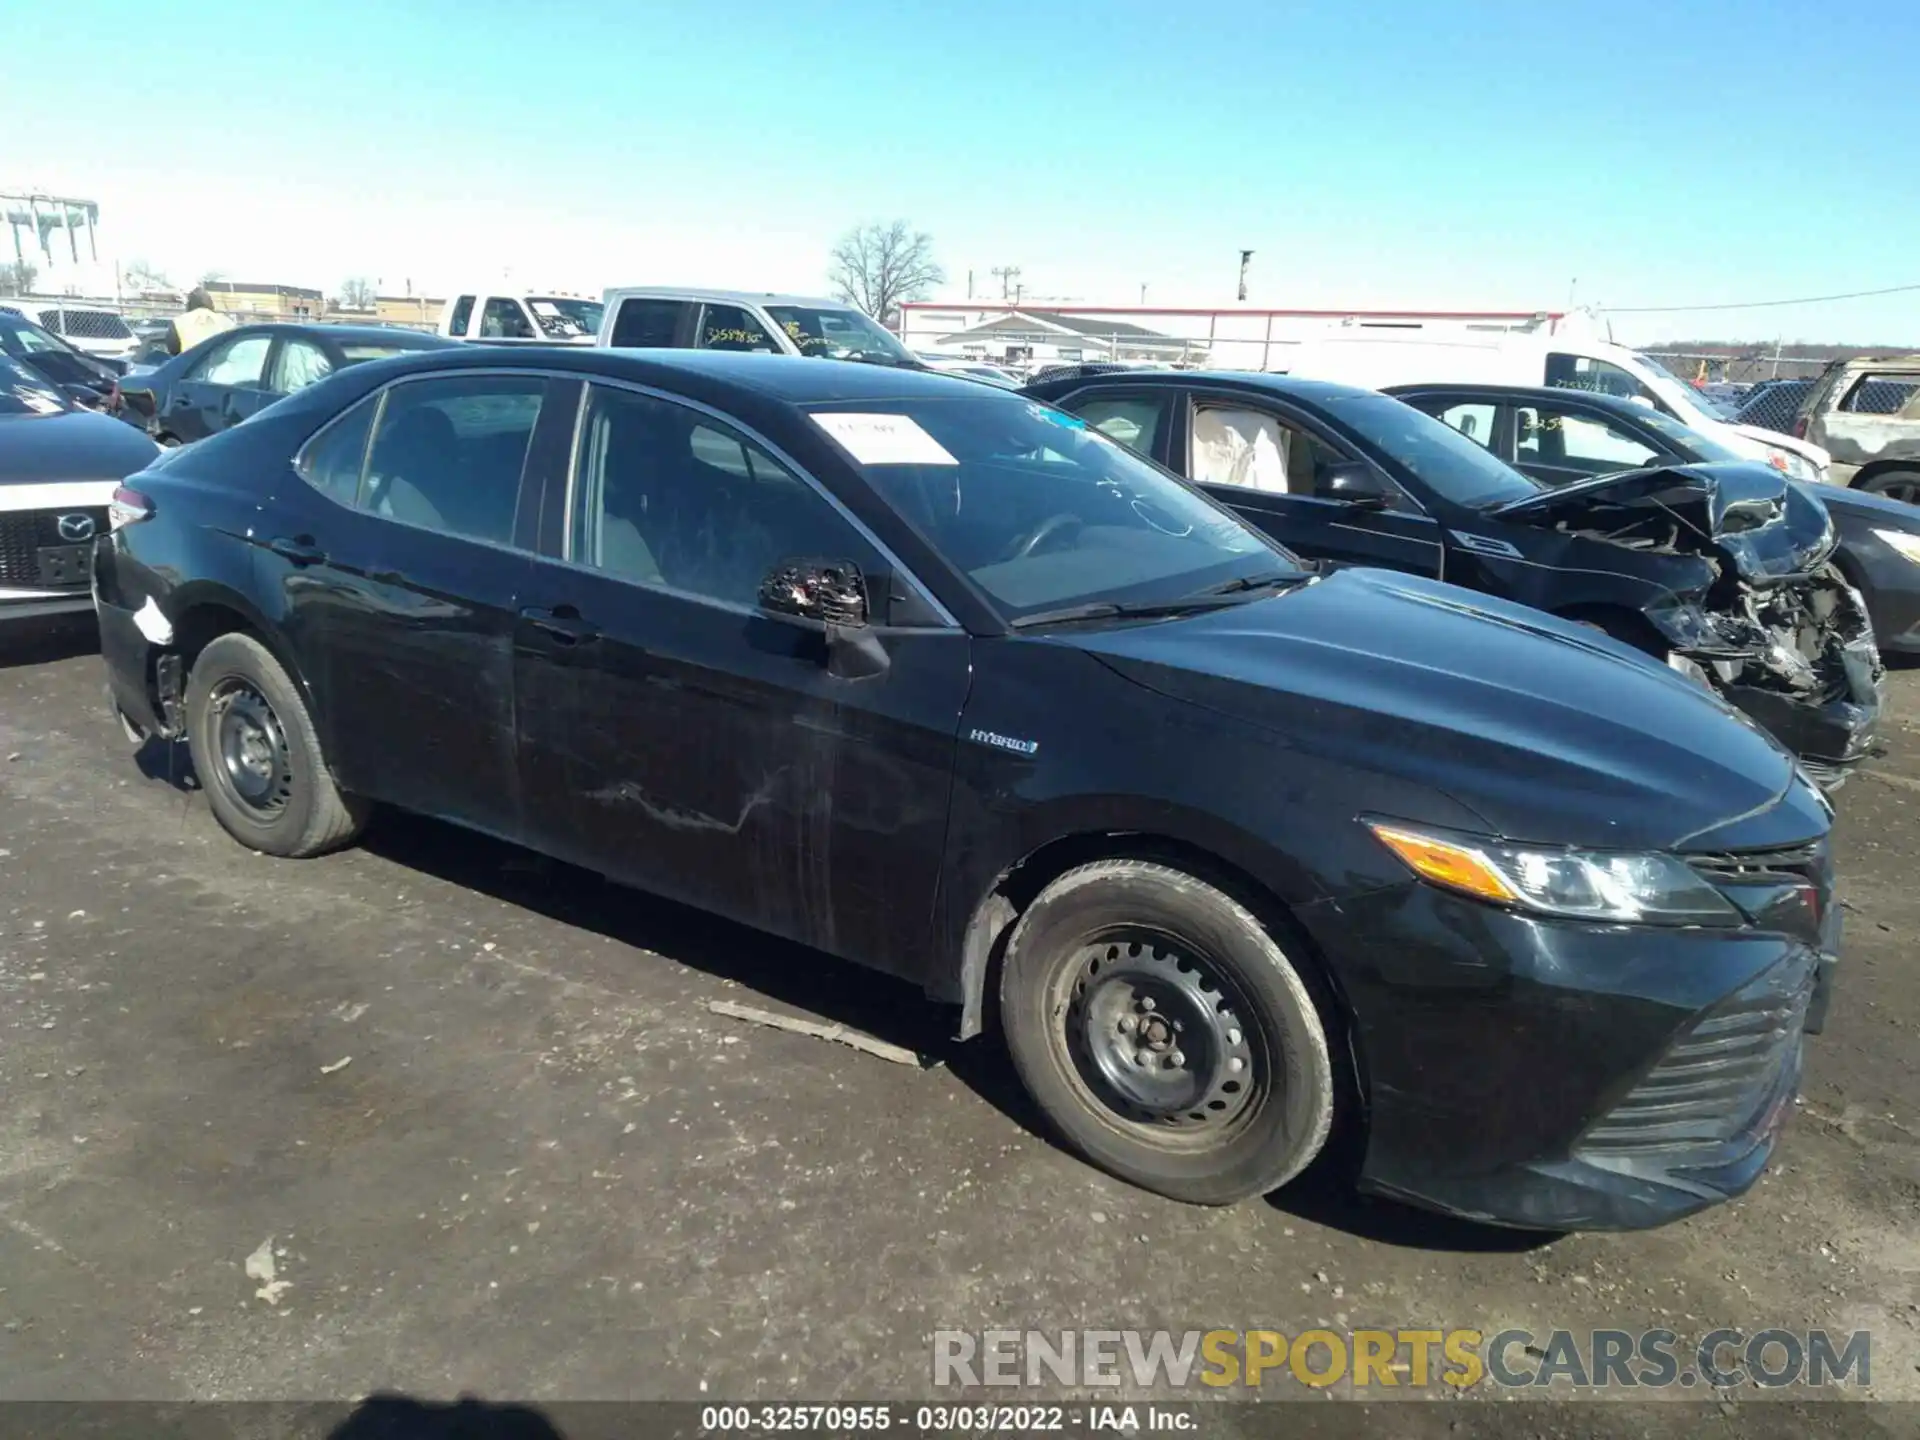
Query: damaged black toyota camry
(931,677)
(1723,571)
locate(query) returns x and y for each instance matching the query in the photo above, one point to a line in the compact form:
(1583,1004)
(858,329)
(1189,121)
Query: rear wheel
(257,756)
(1165,1033)
(1895,484)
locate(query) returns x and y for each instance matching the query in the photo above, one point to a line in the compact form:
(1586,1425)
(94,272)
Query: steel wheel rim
(250,746)
(1161,1039)
(1905,490)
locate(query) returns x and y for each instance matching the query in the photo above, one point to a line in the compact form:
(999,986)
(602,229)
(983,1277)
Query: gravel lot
(498,1143)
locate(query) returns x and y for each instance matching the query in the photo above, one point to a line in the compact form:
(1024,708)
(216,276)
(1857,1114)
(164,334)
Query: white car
(652,317)
(59,467)
(536,319)
(93,328)
(1564,360)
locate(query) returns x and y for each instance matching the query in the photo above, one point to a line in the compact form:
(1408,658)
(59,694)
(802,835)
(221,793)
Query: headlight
(1795,467)
(1907,544)
(1640,889)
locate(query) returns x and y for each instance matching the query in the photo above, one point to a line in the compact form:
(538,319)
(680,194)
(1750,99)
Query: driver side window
(238,362)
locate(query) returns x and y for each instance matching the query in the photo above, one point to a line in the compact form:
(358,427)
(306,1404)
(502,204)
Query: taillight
(128,507)
(1799,427)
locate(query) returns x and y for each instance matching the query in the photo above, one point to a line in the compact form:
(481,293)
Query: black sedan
(222,381)
(59,464)
(1565,436)
(925,675)
(1721,571)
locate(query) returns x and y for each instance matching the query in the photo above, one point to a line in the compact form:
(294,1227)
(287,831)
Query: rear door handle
(297,550)
(562,622)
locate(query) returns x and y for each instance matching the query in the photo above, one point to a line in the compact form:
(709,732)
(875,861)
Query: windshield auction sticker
(884,439)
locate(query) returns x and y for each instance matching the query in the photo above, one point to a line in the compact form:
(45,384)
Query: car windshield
(835,334)
(1687,402)
(1041,512)
(562,318)
(1686,438)
(24,393)
(49,354)
(1459,469)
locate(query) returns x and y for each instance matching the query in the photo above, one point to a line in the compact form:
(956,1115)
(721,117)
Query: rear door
(1269,462)
(221,388)
(679,737)
(400,568)
(297,363)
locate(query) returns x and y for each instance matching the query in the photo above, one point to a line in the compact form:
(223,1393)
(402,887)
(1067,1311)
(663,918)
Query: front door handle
(562,623)
(297,550)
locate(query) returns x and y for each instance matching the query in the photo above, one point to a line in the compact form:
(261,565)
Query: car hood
(73,445)
(1880,509)
(1549,731)
(1745,513)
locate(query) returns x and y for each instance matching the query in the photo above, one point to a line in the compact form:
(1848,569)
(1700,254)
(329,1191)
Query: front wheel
(257,756)
(1165,1033)
(1895,485)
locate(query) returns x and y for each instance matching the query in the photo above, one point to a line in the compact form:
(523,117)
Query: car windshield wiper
(1241,584)
(1128,610)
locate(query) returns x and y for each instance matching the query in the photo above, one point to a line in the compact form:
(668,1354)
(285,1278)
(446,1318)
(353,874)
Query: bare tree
(878,265)
(18,277)
(356,293)
(213,277)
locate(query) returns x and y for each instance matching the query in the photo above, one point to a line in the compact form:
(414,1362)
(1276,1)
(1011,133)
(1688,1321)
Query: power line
(1757,304)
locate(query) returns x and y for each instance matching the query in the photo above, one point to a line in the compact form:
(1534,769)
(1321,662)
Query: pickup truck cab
(538,319)
(676,318)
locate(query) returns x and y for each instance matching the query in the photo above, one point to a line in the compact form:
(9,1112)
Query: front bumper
(1558,1076)
(34,604)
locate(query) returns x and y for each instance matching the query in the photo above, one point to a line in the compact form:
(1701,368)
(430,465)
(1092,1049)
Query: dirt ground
(477,1112)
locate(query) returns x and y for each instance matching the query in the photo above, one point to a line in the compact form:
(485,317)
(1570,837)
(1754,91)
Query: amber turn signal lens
(1455,866)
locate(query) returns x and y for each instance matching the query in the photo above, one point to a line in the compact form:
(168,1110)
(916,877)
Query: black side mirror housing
(833,593)
(1356,483)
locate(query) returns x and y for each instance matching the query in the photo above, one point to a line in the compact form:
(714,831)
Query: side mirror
(833,593)
(1355,483)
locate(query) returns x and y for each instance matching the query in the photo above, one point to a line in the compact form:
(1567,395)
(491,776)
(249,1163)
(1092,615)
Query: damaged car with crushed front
(1724,571)
(1250,866)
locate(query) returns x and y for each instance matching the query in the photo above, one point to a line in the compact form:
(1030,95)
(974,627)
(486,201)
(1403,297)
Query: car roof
(1253,381)
(1539,394)
(793,379)
(347,334)
(731,297)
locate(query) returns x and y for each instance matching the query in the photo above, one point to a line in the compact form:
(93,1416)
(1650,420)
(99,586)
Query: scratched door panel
(703,752)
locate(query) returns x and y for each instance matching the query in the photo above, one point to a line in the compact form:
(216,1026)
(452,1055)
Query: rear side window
(649,324)
(729,327)
(462,313)
(503,319)
(334,458)
(1881,394)
(1133,420)
(448,453)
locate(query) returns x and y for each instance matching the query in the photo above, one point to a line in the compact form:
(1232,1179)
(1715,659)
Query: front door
(1270,465)
(1558,444)
(221,389)
(676,736)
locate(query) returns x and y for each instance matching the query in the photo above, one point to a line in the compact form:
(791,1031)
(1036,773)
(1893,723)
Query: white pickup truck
(539,319)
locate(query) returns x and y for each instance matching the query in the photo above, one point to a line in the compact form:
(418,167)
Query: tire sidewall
(1294,1116)
(240,657)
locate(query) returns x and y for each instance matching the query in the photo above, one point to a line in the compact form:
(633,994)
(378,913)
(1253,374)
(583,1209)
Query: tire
(1124,943)
(257,756)
(1897,484)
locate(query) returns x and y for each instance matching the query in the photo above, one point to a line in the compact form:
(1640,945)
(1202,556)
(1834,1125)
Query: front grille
(23,533)
(1720,1077)
(1746,867)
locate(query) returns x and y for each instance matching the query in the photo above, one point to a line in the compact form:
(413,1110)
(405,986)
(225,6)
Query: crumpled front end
(1776,629)
(1798,657)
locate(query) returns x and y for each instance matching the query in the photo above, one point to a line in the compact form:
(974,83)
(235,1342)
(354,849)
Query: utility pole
(1246,256)
(1143,292)
(969,284)
(1007,275)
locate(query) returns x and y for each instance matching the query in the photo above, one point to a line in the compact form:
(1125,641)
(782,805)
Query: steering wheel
(1046,530)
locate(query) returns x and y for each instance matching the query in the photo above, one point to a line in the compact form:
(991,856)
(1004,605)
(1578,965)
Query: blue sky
(1393,154)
